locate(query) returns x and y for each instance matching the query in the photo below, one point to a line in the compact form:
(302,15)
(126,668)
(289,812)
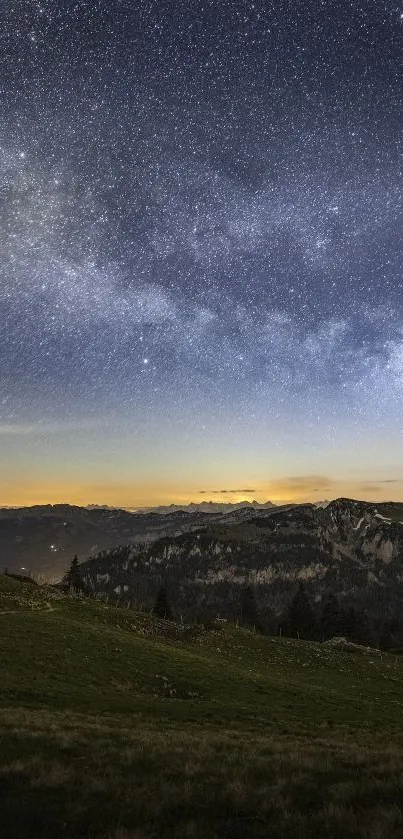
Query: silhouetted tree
(161,608)
(249,613)
(301,616)
(358,627)
(331,618)
(74,577)
(386,632)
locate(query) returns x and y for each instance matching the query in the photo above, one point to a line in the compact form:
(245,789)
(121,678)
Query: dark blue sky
(201,213)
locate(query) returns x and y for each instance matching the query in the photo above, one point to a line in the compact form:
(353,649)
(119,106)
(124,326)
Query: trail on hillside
(49,608)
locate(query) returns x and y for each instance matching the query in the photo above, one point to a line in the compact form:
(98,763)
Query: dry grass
(110,780)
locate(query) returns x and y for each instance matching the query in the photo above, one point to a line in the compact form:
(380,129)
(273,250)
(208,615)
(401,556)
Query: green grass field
(116,725)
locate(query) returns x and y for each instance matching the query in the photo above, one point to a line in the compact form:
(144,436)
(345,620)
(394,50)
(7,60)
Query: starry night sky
(201,250)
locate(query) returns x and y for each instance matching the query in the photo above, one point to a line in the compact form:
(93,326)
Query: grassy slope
(117,725)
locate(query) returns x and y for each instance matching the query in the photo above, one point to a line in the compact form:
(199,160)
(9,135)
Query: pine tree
(301,616)
(358,626)
(249,614)
(331,618)
(161,608)
(74,577)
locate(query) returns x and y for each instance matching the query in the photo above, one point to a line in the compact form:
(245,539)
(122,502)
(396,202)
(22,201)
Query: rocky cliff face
(369,536)
(352,548)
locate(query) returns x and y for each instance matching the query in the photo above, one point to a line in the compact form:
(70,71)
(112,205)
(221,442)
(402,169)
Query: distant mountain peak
(206,507)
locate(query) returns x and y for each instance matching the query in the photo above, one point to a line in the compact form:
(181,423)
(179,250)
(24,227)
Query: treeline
(329,618)
(308,621)
(295,615)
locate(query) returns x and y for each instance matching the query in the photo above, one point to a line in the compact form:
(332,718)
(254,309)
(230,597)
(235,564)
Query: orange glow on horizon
(280,491)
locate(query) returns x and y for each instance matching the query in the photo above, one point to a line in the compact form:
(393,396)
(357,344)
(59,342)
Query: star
(201,220)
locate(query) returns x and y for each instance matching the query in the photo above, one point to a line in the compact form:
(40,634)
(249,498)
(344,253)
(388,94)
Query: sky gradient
(201,251)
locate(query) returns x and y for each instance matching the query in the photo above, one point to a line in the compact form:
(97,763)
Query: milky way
(201,215)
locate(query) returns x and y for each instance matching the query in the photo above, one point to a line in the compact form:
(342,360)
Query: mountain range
(42,540)
(352,548)
(205,507)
